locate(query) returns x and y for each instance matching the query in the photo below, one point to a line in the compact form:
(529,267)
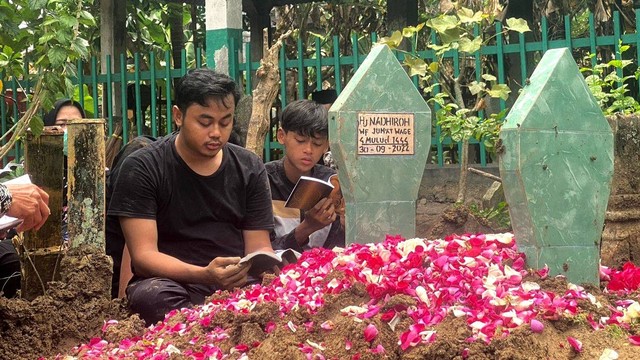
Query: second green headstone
(556,166)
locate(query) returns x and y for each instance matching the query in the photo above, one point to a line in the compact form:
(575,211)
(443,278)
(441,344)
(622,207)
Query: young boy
(304,134)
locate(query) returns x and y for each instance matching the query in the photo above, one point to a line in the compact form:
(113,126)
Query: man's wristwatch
(5,199)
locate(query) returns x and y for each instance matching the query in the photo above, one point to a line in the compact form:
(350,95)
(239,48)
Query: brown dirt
(435,219)
(457,219)
(74,310)
(621,235)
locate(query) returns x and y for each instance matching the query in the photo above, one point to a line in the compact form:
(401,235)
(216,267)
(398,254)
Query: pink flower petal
(347,345)
(635,340)
(575,343)
(270,327)
(370,332)
(327,325)
(536,326)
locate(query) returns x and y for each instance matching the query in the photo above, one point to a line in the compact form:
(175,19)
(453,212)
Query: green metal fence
(147,112)
(307,69)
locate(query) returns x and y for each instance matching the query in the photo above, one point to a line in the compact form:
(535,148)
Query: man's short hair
(201,85)
(305,117)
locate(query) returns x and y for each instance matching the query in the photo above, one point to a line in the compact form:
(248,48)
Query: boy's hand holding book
(316,218)
(322,214)
(321,201)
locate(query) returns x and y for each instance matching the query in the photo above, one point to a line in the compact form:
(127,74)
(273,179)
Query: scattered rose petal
(370,332)
(609,354)
(327,325)
(315,345)
(575,343)
(635,339)
(536,326)
(292,326)
(378,349)
(270,327)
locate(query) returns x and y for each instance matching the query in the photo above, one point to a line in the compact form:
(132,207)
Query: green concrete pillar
(556,165)
(223,23)
(380,135)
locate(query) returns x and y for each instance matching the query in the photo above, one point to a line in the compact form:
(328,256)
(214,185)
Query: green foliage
(616,331)
(497,217)
(87,101)
(52,36)
(463,124)
(455,31)
(324,21)
(610,89)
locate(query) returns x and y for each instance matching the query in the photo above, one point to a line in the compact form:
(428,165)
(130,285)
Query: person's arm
(27,202)
(125,273)
(256,240)
(316,218)
(287,241)
(141,237)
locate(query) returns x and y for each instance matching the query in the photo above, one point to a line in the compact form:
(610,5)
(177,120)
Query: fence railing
(308,70)
(146,95)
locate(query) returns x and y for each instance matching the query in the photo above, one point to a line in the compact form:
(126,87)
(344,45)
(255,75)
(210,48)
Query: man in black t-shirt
(190,204)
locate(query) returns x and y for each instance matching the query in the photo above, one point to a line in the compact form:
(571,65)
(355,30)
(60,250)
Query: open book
(8,222)
(262,261)
(308,191)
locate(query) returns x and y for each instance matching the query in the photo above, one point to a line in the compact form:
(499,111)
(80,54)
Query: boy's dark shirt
(198,217)
(286,219)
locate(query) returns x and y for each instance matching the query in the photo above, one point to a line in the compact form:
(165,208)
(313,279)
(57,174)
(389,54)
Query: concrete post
(86,182)
(41,251)
(223,23)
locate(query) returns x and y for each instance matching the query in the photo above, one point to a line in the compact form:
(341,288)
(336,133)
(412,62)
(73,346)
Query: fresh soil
(76,308)
(458,219)
(73,310)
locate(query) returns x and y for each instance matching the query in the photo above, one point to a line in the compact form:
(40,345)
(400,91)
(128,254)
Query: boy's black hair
(201,85)
(305,117)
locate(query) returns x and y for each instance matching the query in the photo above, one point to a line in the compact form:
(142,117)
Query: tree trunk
(264,95)
(177,33)
(464,164)
(464,154)
(400,14)
(113,35)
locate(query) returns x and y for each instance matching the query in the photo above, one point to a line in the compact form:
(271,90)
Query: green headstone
(556,165)
(380,135)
